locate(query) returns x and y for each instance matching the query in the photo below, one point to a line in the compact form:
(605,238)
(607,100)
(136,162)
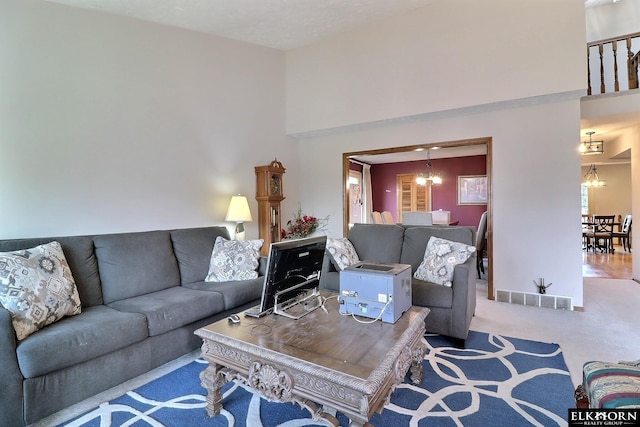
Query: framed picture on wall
(472,189)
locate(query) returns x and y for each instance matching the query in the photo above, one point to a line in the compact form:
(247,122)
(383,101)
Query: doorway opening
(456,148)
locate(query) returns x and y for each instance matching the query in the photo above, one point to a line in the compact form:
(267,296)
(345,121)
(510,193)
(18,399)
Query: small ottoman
(609,385)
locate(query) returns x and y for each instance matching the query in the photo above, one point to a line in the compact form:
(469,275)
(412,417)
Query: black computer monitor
(293,269)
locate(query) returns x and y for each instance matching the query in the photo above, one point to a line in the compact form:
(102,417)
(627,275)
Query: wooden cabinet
(269,194)
(412,196)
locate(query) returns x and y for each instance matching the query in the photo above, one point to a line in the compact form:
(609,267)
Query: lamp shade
(238,210)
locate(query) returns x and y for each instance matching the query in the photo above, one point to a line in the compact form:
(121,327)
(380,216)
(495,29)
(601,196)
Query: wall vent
(534,300)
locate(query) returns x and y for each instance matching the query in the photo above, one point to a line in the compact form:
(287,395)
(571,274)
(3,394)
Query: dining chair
(625,233)
(480,243)
(586,228)
(441,217)
(417,218)
(376,218)
(601,236)
(387,218)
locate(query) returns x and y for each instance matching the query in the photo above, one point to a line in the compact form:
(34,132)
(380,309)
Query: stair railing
(608,49)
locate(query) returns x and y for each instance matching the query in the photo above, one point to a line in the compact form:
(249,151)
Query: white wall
(536,181)
(612,20)
(615,197)
(376,87)
(450,54)
(634,138)
(112,124)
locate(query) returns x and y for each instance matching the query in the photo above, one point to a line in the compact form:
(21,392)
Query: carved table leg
(212,380)
(318,413)
(416,361)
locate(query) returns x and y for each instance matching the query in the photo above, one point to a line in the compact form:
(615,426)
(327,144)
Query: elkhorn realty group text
(603,417)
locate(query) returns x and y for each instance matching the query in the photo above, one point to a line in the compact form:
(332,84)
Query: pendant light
(591,147)
(591,178)
(423,178)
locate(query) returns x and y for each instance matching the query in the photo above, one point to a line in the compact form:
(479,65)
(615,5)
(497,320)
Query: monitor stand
(300,305)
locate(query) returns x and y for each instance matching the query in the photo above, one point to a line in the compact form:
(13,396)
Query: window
(355,197)
(584,199)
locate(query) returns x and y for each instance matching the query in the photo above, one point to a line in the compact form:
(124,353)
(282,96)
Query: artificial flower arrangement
(302,226)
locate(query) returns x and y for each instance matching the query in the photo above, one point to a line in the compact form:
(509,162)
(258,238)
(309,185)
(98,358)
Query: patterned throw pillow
(342,252)
(37,288)
(440,259)
(234,260)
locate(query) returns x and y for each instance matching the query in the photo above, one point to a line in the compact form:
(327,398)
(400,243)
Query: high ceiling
(279,24)
(284,25)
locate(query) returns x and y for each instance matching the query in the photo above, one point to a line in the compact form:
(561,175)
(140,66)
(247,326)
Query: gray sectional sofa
(452,308)
(143,295)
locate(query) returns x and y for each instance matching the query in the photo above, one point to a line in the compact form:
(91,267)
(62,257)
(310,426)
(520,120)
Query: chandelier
(430,176)
(591,147)
(591,178)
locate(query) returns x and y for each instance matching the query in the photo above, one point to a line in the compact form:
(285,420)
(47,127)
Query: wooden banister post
(602,87)
(616,84)
(588,70)
(632,66)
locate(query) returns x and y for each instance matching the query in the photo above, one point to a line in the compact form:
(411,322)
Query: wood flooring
(612,266)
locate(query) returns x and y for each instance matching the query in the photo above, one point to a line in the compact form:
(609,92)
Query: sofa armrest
(262,265)
(464,296)
(11,403)
(329,275)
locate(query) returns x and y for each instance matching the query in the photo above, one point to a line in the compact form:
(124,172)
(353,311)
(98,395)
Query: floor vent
(534,300)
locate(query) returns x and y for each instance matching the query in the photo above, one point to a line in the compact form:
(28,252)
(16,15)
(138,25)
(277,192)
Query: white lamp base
(240,235)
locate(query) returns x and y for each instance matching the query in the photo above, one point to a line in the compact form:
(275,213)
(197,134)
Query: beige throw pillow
(37,287)
(440,258)
(234,260)
(342,252)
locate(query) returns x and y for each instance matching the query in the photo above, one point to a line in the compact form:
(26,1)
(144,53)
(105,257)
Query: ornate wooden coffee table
(323,358)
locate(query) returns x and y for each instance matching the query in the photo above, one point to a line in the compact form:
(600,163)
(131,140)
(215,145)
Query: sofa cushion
(234,260)
(234,293)
(341,252)
(172,308)
(37,287)
(97,331)
(416,239)
(133,264)
(440,258)
(377,242)
(193,248)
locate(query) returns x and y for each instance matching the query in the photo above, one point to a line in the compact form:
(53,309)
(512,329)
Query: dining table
(587,226)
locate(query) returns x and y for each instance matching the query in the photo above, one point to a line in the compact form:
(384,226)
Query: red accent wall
(443,196)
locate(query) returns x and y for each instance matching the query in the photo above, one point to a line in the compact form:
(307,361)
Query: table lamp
(239,212)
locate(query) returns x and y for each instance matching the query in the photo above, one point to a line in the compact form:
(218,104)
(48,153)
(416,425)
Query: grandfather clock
(269,195)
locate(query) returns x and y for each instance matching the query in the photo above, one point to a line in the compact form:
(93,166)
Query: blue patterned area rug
(494,381)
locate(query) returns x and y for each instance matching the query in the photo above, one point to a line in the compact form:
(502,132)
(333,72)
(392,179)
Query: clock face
(274,185)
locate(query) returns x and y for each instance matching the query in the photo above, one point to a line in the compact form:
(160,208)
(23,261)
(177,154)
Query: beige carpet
(607,329)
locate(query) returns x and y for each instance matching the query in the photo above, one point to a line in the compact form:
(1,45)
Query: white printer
(368,289)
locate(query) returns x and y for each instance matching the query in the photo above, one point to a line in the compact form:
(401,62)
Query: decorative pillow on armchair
(37,287)
(342,252)
(234,260)
(440,259)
